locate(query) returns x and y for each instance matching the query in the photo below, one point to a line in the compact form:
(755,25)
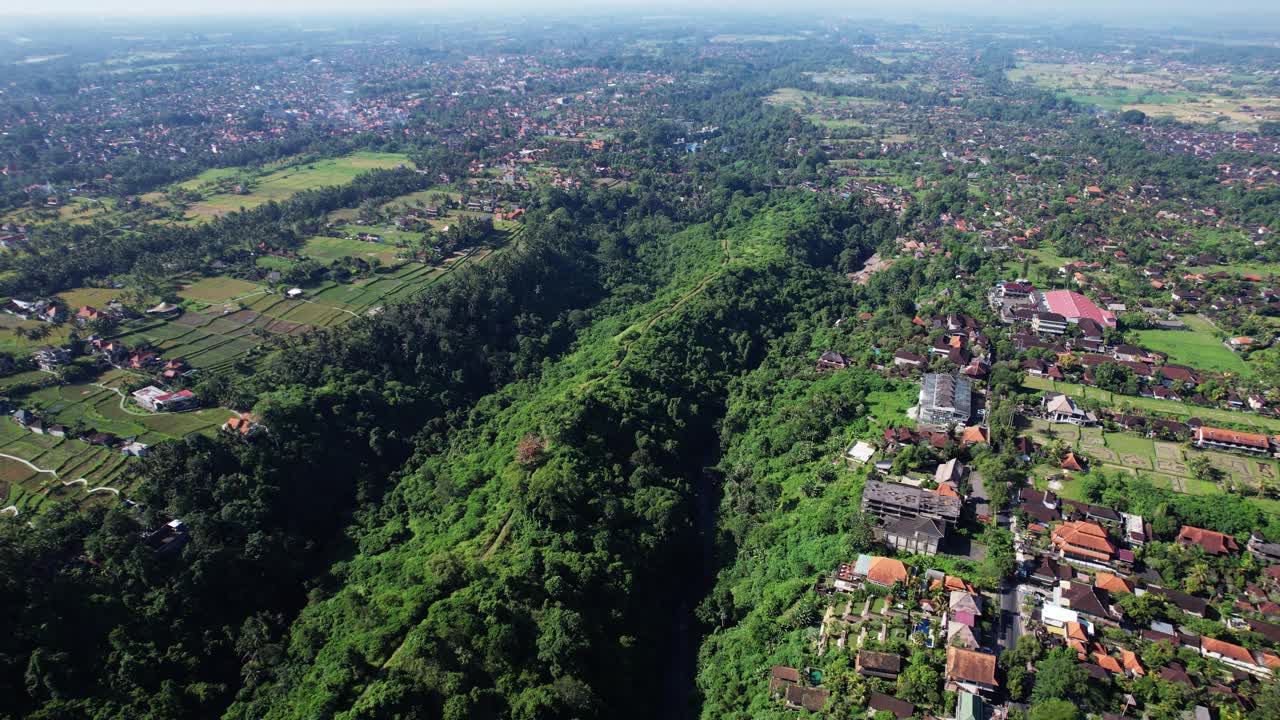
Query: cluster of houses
(1060,408)
(42,309)
(950,613)
(1088,563)
(518,114)
(118,355)
(12,234)
(32,422)
(1077,357)
(1077,560)
(961,342)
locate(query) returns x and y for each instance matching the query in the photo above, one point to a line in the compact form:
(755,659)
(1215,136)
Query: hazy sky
(1155,10)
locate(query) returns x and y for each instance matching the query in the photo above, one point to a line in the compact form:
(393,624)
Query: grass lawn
(1131,444)
(30,376)
(95,297)
(218,289)
(271,262)
(327,249)
(1198,346)
(889,408)
(1255,268)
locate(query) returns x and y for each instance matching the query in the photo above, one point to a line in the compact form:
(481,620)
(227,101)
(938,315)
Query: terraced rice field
(65,470)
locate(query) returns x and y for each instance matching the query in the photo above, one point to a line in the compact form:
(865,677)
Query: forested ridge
(521,570)
(517,565)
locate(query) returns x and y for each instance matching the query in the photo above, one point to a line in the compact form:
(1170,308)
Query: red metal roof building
(1075,307)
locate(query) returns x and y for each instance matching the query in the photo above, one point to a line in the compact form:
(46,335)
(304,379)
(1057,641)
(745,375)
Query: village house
(951,471)
(964,608)
(1189,604)
(879,571)
(859,453)
(1231,440)
(50,358)
(782,677)
(40,309)
(156,400)
(878,664)
(806,698)
(1258,547)
(168,538)
(1212,542)
(1086,600)
(1256,662)
(902,358)
(1083,542)
(901,709)
(832,360)
(243,425)
(919,536)
(1059,408)
(971,671)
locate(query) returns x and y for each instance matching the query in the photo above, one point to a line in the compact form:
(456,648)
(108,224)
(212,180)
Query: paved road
(978,494)
(1011,597)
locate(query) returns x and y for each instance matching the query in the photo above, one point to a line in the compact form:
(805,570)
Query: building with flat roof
(894,500)
(945,399)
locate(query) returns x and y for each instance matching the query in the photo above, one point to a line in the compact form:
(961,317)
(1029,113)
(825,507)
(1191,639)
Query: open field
(1174,410)
(1155,91)
(1263,269)
(327,249)
(279,184)
(836,112)
(1198,346)
(95,297)
(11,342)
(216,290)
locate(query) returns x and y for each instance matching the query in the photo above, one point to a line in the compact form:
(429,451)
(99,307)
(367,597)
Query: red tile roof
(886,571)
(1083,538)
(1226,650)
(1214,543)
(1108,663)
(1233,437)
(971,666)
